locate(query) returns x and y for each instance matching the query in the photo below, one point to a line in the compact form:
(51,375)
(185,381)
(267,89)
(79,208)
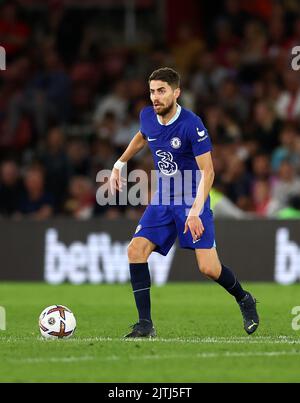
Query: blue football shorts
(161,224)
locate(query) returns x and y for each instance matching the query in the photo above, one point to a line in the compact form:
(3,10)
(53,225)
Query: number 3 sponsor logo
(166,164)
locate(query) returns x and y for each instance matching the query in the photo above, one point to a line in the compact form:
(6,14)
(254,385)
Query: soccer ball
(57,322)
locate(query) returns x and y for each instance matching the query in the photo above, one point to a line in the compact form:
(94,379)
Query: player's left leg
(210,265)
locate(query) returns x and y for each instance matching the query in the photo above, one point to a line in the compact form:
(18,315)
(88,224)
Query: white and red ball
(57,322)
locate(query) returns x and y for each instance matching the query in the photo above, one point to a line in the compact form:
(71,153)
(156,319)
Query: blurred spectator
(288,104)
(289,148)
(81,201)
(130,126)
(108,126)
(62,29)
(237,183)
(263,203)
(78,157)
(11,188)
(276,36)
(14,32)
(254,43)
(261,9)
(207,77)
(104,155)
(266,126)
(85,78)
(45,99)
(115,103)
(287,184)
(36,202)
(56,163)
(235,16)
(294,39)
(232,101)
(261,167)
(186,48)
(226,41)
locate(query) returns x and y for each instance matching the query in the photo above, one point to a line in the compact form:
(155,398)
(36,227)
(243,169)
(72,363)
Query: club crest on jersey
(175,142)
(166,164)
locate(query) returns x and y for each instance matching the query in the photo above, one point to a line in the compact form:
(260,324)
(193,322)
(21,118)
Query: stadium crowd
(70,100)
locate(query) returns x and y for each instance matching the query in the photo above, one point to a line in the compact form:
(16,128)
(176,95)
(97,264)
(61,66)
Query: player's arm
(193,221)
(136,144)
(206,167)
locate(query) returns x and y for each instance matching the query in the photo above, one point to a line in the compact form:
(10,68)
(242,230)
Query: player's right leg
(138,252)
(156,231)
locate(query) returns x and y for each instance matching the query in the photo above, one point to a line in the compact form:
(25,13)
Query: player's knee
(137,252)
(209,271)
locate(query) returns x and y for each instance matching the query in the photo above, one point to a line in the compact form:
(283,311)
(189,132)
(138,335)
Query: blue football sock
(228,280)
(141,283)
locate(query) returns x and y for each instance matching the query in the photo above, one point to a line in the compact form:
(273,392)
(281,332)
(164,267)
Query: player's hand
(194,224)
(116,181)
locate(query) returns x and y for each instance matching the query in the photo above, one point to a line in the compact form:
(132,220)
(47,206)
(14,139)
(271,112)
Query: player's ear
(177,93)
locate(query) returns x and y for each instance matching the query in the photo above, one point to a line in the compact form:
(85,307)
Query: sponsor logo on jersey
(166,164)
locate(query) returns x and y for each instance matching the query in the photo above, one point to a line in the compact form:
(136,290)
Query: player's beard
(164,111)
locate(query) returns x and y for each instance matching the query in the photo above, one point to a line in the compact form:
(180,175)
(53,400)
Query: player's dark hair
(167,75)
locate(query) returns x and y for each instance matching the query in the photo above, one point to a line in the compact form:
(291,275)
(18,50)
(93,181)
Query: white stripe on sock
(142,289)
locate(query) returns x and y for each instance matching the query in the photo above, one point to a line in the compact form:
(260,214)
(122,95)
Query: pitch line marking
(204,340)
(196,340)
(39,360)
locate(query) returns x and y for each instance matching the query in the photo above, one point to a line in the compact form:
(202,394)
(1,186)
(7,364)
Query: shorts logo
(138,228)
(196,240)
(175,142)
(166,165)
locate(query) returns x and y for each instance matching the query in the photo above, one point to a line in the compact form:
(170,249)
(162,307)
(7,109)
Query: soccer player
(179,143)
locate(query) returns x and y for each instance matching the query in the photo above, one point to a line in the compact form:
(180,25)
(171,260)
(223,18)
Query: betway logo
(287,258)
(97,261)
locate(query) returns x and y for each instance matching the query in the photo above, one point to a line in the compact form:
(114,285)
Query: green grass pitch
(199,326)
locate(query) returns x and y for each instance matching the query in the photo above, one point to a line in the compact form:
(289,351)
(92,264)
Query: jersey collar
(174,118)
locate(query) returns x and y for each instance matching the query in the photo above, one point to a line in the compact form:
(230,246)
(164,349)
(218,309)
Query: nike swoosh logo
(151,139)
(196,240)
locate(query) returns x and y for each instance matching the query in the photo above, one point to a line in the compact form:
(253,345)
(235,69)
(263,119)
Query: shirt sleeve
(199,137)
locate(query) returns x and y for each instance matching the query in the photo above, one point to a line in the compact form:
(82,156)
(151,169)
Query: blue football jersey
(174,147)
